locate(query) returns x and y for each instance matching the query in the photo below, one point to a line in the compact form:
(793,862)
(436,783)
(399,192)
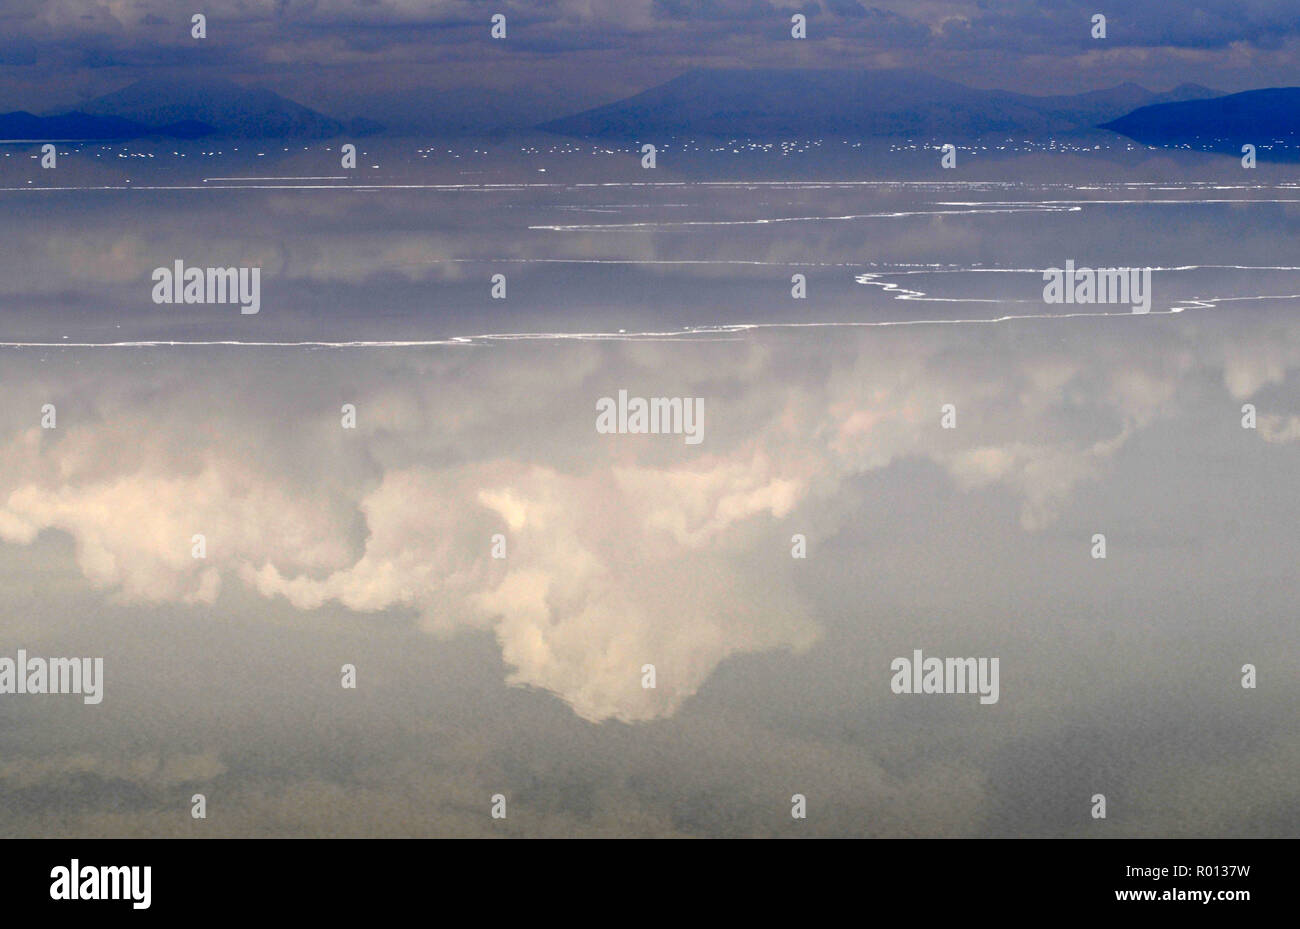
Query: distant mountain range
(184,109)
(768,103)
(79,125)
(1256,116)
(761,103)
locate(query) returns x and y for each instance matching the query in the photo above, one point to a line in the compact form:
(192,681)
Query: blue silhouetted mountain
(231,110)
(78,126)
(768,103)
(1255,116)
(362,126)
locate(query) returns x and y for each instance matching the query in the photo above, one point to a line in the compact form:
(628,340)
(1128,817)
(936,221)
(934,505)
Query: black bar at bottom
(334,878)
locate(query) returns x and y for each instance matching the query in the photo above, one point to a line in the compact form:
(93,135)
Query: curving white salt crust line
(1205,303)
(729,331)
(1162,201)
(798,219)
(692,333)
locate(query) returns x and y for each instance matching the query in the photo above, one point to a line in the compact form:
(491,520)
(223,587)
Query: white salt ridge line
(733,328)
(1209,303)
(1160,201)
(454,187)
(939,269)
(902,293)
(320,177)
(896,268)
(418,343)
(946,322)
(1205,303)
(796,219)
(166,343)
(687,334)
(721,329)
(690,333)
(450,187)
(638,261)
(809,185)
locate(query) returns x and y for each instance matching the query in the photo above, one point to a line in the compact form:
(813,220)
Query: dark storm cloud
(850,8)
(713,9)
(1032,27)
(1015,24)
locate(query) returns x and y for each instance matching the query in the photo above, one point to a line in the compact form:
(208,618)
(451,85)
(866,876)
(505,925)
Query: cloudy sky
(401,59)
